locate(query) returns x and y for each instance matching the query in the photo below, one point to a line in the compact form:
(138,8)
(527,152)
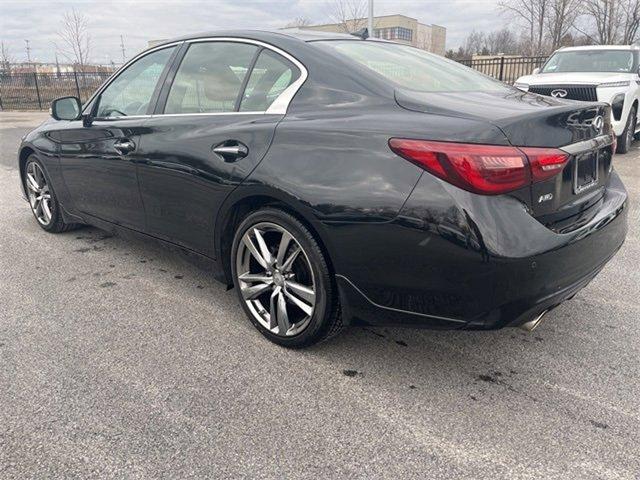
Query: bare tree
(298,22)
(6,59)
(631,25)
(475,43)
(350,15)
(533,13)
(611,21)
(75,38)
(502,41)
(604,14)
(561,19)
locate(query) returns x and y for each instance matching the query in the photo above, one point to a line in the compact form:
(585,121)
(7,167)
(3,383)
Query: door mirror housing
(66,108)
(535,71)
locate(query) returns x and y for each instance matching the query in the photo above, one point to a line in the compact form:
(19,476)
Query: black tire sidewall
(316,329)
(623,143)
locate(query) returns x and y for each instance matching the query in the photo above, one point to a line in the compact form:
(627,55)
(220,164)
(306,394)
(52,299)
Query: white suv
(606,73)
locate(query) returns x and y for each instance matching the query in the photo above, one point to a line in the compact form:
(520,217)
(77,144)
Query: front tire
(625,140)
(42,198)
(283,280)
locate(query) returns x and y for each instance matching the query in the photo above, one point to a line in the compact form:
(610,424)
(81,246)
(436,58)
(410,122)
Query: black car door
(98,155)
(213,125)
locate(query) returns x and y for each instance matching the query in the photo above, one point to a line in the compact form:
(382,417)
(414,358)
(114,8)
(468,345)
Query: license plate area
(585,173)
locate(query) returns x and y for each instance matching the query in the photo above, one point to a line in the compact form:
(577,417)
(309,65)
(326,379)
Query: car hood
(573,78)
(526,119)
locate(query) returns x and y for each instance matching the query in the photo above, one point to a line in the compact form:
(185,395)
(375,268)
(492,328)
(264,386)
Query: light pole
(370,23)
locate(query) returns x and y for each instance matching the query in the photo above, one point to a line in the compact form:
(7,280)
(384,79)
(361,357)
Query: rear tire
(293,303)
(42,198)
(625,140)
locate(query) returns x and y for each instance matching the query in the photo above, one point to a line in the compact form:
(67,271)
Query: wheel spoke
(264,250)
(32,184)
(282,248)
(283,316)
(254,251)
(305,293)
(286,266)
(306,308)
(46,210)
(250,293)
(256,277)
(272,308)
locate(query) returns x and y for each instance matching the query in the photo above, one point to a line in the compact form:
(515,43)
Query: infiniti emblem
(559,93)
(598,123)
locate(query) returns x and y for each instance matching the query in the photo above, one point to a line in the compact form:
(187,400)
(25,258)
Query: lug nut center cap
(278,279)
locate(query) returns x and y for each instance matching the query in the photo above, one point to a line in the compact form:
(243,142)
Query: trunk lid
(582,130)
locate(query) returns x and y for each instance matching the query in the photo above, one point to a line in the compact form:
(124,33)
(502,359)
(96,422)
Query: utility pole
(28,51)
(370,23)
(122,48)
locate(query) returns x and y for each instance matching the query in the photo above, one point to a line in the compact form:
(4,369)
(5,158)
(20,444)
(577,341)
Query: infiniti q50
(337,180)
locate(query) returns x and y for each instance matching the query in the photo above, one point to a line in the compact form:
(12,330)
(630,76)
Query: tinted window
(130,93)
(411,67)
(210,78)
(270,76)
(590,61)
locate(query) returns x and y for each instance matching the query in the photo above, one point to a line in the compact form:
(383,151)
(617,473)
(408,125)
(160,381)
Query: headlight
(624,83)
(521,86)
(617,104)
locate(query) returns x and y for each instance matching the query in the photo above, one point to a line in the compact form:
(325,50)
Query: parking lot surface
(120,359)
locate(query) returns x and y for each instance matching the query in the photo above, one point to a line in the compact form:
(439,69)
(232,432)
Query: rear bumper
(475,262)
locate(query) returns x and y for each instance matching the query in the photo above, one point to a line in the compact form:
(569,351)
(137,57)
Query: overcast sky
(141,20)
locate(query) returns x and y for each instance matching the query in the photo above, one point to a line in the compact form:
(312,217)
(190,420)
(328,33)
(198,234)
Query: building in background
(398,28)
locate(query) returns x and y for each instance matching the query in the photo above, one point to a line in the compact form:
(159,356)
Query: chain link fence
(36,91)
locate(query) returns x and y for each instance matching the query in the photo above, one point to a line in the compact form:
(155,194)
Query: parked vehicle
(605,73)
(338,180)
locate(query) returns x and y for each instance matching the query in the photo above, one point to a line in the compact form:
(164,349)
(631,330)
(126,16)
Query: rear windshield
(590,61)
(412,68)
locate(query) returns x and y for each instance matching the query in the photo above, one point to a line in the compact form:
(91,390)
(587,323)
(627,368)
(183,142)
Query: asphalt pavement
(121,359)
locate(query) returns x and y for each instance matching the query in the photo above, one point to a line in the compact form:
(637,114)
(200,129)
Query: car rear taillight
(545,162)
(485,169)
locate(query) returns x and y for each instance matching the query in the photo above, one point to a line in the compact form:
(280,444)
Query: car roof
(599,47)
(305,35)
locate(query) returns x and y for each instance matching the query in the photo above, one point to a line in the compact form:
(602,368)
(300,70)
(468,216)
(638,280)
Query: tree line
(546,25)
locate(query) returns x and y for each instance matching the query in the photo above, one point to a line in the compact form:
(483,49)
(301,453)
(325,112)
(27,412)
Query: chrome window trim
(119,72)
(586,145)
(279,106)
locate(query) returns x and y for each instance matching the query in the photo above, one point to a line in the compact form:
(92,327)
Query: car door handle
(231,150)
(124,146)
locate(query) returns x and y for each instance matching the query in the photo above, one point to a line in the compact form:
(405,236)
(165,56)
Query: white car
(606,73)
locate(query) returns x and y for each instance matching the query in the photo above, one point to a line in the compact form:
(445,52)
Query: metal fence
(36,91)
(507,69)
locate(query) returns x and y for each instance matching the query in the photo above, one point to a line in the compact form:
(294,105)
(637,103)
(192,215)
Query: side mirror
(535,71)
(66,108)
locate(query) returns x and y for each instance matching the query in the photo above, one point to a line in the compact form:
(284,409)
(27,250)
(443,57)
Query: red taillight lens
(485,169)
(545,162)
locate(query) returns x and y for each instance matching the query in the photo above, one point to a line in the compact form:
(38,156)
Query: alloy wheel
(276,279)
(631,129)
(38,193)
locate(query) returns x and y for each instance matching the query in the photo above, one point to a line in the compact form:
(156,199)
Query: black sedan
(338,180)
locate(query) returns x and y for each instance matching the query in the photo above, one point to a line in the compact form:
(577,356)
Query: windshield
(590,61)
(411,67)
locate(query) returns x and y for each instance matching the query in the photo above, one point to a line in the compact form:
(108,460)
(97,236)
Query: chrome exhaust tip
(531,325)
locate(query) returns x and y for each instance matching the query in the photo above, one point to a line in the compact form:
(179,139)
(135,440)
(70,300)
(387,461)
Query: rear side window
(210,78)
(412,68)
(271,76)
